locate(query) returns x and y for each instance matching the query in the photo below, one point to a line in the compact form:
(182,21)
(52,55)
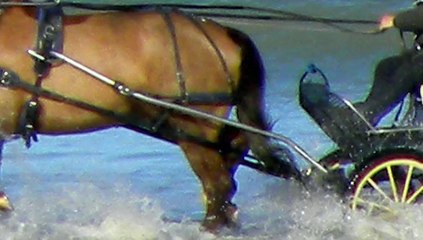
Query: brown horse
(164,53)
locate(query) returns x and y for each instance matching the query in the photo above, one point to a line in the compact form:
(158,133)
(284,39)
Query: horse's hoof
(5,205)
(232,215)
(212,224)
(228,218)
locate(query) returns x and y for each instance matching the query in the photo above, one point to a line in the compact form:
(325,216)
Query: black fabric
(411,20)
(394,78)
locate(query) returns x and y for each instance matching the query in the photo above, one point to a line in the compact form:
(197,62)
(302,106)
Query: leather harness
(49,37)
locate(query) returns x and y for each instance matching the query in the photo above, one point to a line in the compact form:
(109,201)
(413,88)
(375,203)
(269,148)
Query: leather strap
(49,38)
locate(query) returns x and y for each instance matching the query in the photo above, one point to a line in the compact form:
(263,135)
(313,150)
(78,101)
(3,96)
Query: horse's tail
(273,158)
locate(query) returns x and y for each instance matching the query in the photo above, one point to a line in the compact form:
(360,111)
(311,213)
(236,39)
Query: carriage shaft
(122,89)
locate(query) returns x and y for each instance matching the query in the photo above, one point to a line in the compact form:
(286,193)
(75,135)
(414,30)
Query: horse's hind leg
(216,175)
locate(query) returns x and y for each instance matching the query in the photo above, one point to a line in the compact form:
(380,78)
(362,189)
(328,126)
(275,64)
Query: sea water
(117,184)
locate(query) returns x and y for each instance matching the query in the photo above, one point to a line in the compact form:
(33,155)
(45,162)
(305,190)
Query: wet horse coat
(162,53)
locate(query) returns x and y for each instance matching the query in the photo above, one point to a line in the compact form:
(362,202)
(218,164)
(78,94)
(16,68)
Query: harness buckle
(28,121)
(49,37)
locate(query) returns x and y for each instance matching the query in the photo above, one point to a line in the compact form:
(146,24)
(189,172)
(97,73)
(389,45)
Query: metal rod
(355,110)
(186,110)
(74,64)
(30,4)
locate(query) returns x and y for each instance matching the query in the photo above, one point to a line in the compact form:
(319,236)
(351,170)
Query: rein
(264,14)
(29,3)
(277,15)
(255,13)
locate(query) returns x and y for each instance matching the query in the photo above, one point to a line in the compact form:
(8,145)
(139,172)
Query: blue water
(117,184)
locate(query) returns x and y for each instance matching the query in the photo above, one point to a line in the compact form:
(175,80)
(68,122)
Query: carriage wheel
(388,182)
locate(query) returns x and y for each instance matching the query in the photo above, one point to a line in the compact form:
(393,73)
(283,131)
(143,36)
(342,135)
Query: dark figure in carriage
(364,146)
(394,78)
(160,52)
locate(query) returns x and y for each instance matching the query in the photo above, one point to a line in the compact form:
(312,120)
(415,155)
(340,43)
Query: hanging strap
(49,38)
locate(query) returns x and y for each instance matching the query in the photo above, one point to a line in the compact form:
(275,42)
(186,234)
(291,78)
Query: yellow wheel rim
(391,191)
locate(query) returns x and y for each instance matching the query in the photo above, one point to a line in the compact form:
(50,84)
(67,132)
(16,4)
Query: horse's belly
(59,118)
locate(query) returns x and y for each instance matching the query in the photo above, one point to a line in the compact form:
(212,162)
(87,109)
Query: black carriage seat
(336,116)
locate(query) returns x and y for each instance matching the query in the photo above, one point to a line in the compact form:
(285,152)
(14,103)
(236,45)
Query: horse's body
(137,49)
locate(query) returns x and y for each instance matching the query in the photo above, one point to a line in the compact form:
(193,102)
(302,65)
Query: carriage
(186,99)
(374,166)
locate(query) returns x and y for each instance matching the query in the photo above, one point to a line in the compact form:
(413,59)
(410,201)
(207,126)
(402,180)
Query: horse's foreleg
(216,176)
(4,201)
(1,156)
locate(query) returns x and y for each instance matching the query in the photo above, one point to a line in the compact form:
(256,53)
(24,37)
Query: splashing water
(89,212)
(280,210)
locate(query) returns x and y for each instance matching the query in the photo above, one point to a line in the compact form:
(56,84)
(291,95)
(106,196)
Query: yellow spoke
(415,195)
(373,205)
(374,197)
(407,183)
(378,189)
(392,183)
